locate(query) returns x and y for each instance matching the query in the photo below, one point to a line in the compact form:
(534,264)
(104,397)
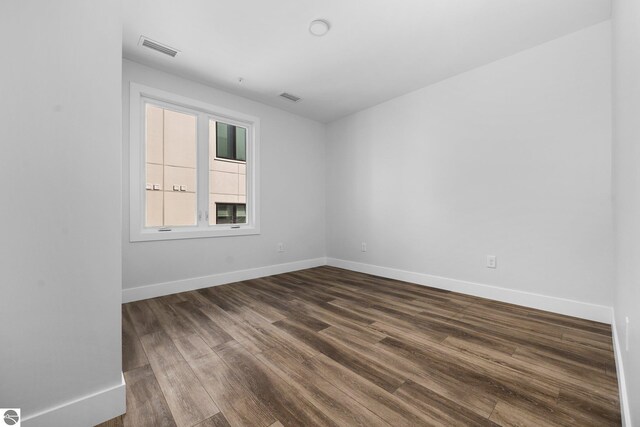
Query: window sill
(186,233)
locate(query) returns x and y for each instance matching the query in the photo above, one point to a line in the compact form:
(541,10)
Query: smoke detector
(319,27)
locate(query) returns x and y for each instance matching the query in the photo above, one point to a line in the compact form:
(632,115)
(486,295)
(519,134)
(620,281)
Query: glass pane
(227,173)
(241,144)
(171,147)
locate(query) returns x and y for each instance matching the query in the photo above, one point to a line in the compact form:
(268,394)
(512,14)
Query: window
(193,168)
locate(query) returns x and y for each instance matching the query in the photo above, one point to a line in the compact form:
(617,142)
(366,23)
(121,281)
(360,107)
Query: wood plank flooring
(331,347)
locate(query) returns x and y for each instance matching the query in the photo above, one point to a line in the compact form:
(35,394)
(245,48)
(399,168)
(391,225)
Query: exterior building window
(231,142)
(193,168)
(231,213)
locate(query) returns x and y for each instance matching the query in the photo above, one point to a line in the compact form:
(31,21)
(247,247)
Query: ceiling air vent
(158,47)
(290,97)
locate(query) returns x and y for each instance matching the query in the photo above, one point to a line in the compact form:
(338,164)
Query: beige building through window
(170,168)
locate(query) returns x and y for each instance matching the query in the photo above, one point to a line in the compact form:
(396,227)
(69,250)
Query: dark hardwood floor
(327,346)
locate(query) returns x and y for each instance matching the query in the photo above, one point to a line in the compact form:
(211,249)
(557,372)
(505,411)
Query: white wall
(626,187)
(292,194)
(511,159)
(60,251)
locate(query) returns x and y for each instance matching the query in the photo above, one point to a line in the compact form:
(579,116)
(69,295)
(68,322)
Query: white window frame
(139,94)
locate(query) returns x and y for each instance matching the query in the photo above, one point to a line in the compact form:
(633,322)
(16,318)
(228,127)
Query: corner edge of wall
(622,385)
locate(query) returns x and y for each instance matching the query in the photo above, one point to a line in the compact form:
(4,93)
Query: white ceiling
(376,49)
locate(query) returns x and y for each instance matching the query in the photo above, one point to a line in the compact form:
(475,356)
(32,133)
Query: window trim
(137,232)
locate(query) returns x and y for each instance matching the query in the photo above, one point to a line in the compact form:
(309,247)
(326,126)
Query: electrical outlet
(491,261)
(626,333)
(363,248)
(280,247)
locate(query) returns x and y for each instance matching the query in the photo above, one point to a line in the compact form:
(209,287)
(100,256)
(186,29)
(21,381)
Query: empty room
(320,213)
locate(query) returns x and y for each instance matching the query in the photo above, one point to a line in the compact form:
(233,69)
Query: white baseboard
(85,411)
(598,313)
(167,288)
(622,385)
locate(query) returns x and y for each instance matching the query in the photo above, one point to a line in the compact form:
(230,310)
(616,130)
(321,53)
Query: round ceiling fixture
(319,27)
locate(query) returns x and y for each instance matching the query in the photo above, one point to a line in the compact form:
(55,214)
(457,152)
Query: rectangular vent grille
(158,47)
(290,97)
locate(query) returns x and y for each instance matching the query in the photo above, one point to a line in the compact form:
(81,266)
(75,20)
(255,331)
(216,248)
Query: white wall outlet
(491,261)
(363,248)
(280,247)
(626,333)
